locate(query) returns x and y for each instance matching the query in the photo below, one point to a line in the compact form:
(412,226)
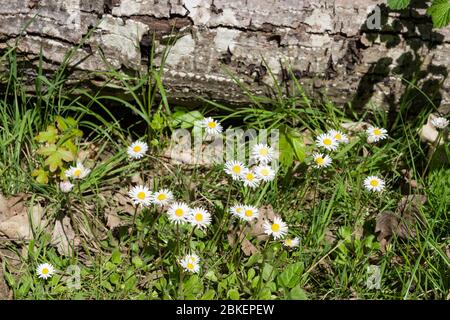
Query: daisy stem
(261,265)
(434,146)
(83,210)
(178,239)
(316,186)
(190,236)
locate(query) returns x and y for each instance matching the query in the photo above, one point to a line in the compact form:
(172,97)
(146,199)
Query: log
(334,47)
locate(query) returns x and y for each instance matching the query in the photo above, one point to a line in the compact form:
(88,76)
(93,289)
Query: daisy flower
(339,136)
(250,179)
(321,160)
(373,183)
(263,153)
(327,141)
(235,169)
(140,195)
(291,242)
(77,172)
(211,126)
(178,212)
(265,172)
(249,213)
(376,134)
(190,263)
(65,186)
(137,149)
(45,270)
(277,229)
(440,122)
(237,210)
(162,197)
(199,217)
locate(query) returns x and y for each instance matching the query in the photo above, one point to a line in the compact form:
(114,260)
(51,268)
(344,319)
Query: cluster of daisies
(262,154)
(331,140)
(198,217)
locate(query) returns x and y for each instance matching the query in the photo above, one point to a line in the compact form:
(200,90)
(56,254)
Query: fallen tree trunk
(335,47)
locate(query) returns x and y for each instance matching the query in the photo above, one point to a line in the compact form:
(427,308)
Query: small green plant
(439,11)
(59,146)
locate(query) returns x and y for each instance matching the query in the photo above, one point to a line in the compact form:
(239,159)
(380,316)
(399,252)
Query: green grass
(329,210)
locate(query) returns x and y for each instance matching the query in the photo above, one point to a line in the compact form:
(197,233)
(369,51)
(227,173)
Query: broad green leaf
(116,257)
(233,294)
(268,272)
(297,293)
(157,122)
(440,13)
(286,152)
(48,136)
(298,146)
(55,159)
(69,145)
(114,278)
(208,295)
(186,120)
(290,277)
(41,175)
(398,4)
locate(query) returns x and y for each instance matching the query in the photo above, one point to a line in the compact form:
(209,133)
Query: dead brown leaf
(401,223)
(21,225)
(64,237)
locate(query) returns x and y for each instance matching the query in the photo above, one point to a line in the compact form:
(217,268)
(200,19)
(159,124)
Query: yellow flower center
(250,176)
(77,172)
(374,183)
(236,169)
(289,242)
(239,210)
(45,271)
(199,217)
(141,195)
(327,141)
(161,197)
(249,213)
(137,148)
(190,266)
(275,227)
(265,172)
(377,132)
(320,161)
(264,152)
(338,136)
(212,125)
(179,212)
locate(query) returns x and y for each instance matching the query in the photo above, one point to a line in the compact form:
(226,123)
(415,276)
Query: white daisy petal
(250,179)
(440,122)
(249,213)
(137,149)
(235,169)
(162,197)
(327,141)
(199,217)
(178,212)
(278,228)
(321,160)
(373,183)
(212,127)
(339,136)
(140,195)
(263,153)
(291,242)
(237,210)
(190,263)
(45,270)
(265,172)
(376,134)
(65,186)
(77,172)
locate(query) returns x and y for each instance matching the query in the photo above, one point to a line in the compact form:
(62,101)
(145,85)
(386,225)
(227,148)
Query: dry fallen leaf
(428,132)
(403,222)
(355,126)
(17,226)
(64,237)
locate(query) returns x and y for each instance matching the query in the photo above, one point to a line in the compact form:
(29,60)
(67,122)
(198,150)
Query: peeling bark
(326,42)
